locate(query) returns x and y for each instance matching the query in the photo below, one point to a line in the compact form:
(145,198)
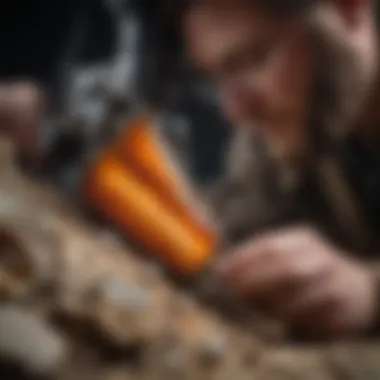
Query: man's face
(264,67)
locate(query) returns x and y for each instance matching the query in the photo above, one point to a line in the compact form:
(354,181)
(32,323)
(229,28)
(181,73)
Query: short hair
(165,37)
(162,21)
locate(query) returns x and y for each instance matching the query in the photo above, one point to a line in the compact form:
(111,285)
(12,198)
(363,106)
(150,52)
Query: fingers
(276,278)
(295,277)
(301,295)
(246,258)
(298,277)
(284,243)
(307,305)
(258,278)
(270,265)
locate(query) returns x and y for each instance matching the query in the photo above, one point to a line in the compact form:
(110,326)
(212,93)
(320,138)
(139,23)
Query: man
(290,72)
(268,62)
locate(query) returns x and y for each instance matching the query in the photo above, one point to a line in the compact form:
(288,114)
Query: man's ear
(352,11)
(337,22)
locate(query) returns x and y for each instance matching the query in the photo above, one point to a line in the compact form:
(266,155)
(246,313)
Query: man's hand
(297,276)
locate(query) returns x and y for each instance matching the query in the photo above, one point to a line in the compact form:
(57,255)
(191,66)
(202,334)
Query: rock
(30,342)
(142,325)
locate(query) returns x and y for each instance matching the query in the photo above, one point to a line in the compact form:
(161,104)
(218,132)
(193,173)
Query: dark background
(36,37)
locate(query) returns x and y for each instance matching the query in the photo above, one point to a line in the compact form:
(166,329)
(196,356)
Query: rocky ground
(77,304)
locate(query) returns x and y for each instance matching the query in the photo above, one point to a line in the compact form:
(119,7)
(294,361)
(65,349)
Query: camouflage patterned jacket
(339,196)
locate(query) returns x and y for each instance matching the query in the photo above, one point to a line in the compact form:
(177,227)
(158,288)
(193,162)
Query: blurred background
(88,54)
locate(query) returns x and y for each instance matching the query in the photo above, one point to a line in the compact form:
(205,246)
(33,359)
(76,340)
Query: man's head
(270,61)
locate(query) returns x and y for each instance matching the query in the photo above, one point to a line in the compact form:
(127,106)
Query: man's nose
(242,104)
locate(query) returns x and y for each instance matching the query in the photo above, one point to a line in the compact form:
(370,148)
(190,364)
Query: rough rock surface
(78,305)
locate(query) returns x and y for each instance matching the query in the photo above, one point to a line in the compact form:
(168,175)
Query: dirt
(94,309)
